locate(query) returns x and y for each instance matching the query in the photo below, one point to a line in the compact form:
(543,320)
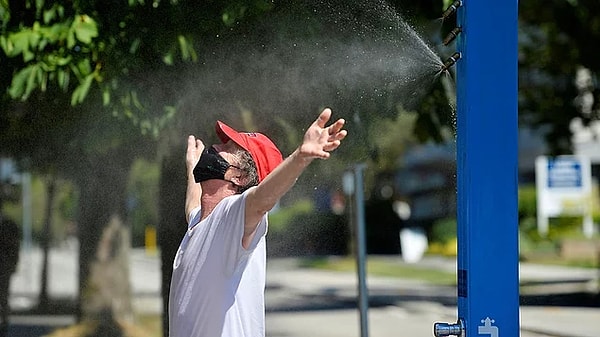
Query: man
(218,282)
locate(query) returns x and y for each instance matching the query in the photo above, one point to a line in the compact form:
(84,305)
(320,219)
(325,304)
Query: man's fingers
(331,145)
(194,144)
(338,135)
(341,135)
(337,126)
(322,154)
(323,118)
(191,142)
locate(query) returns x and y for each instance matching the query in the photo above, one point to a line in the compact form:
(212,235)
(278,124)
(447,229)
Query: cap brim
(226,133)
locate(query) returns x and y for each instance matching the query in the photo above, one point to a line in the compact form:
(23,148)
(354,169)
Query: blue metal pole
(488,270)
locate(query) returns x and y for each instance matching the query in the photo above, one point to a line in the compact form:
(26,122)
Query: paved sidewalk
(317,303)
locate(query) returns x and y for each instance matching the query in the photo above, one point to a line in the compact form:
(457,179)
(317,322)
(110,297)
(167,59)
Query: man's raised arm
(319,140)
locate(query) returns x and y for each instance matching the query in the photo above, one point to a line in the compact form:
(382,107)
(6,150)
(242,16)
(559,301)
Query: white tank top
(217,287)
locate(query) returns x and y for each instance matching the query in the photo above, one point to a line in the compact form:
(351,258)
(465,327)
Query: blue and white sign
(564,187)
(564,173)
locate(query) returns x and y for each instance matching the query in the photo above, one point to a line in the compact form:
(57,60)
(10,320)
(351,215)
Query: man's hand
(194,151)
(194,190)
(320,139)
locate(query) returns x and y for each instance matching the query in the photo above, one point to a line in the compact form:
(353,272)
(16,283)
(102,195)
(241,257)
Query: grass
(151,323)
(383,267)
(144,326)
(553,261)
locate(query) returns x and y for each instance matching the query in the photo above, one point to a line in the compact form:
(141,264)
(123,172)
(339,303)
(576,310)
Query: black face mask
(211,166)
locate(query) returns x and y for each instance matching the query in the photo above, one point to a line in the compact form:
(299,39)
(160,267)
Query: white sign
(564,187)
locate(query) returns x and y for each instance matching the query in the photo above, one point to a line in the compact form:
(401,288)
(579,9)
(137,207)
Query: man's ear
(240,179)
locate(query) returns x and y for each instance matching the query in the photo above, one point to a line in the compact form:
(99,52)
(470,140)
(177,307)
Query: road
(316,303)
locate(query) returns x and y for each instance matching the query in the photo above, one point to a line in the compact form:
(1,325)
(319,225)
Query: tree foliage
(556,38)
(53,45)
(111,46)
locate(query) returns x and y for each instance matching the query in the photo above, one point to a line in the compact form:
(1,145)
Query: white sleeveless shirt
(217,287)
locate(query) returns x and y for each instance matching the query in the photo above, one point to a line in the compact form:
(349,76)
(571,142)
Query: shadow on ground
(331,299)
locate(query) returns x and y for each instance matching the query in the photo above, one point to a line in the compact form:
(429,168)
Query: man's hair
(247,165)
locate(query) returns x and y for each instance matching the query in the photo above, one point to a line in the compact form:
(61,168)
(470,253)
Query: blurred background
(98,98)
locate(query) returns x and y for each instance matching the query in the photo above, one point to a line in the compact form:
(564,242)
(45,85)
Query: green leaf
(145,126)
(39,5)
(28,55)
(227,19)
(34,36)
(62,77)
(136,101)
(17,43)
(183,47)
(106,96)
(81,69)
(4,13)
(25,81)
(34,80)
(43,80)
(85,28)
(53,13)
(63,61)
(80,93)
(135,45)
(58,31)
(187,49)
(49,15)
(17,86)
(70,39)
(168,58)
(4,44)
(42,44)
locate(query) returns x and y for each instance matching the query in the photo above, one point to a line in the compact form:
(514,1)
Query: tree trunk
(104,288)
(44,299)
(172,222)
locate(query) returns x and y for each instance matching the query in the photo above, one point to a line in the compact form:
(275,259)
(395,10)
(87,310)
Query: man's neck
(212,194)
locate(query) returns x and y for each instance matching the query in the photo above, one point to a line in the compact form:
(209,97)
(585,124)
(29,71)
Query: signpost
(564,187)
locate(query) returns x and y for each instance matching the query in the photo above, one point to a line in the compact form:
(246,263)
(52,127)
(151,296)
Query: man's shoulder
(234,200)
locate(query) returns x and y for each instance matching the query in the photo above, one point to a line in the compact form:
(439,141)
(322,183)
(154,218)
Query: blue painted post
(488,270)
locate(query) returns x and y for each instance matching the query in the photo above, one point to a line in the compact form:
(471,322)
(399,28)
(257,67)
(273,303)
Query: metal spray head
(451,9)
(450,61)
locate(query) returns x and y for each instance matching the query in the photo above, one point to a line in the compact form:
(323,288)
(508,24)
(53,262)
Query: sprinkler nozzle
(450,61)
(451,9)
(452,35)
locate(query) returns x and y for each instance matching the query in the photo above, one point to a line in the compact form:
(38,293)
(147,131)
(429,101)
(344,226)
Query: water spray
(450,10)
(452,35)
(450,61)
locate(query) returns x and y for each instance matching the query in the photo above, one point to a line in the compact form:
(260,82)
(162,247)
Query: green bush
(527,202)
(443,230)
(281,217)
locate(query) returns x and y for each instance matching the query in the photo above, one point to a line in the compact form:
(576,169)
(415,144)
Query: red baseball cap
(265,154)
